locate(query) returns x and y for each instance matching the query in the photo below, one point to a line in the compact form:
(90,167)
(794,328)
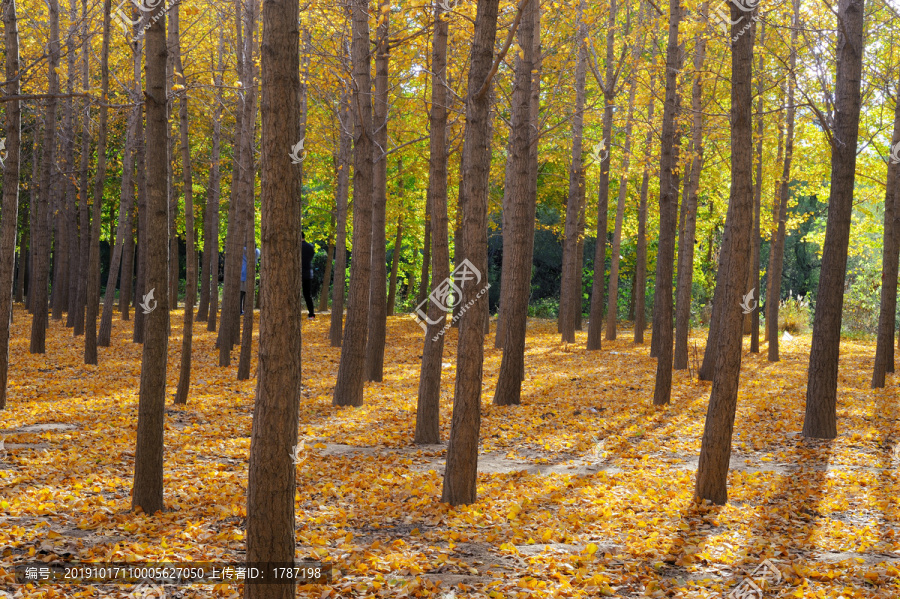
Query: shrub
(794,315)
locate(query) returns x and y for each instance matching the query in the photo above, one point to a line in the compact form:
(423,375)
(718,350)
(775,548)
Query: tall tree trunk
(147,493)
(34,192)
(595,325)
(884,350)
(462,449)
(272,489)
(377,287)
(753,278)
(578,285)
(10,205)
(570,283)
(395,266)
(522,207)
(23,248)
(93,289)
(41,234)
(348,389)
(84,217)
(820,420)
(612,306)
(190,285)
(715,451)
(689,202)
(210,280)
(143,223)
(174,245)
(69,189)
(428,406)
(668,213)
(342,190)
(234,236)
(779,160)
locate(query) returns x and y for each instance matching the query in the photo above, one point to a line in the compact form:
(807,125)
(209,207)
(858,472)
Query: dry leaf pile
(584,489)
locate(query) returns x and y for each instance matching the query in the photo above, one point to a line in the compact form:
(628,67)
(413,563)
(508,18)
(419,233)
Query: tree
(147,493)
(342,190)
(428,408)
(715,450)
(668,207)
(570,284)
(820,420)
(884,350)
(209,282)
(461,472)
(640,276)
(93,285)
(348,389)
(517,259)
(41,232)
(271,488)
(377,312)
(10,205)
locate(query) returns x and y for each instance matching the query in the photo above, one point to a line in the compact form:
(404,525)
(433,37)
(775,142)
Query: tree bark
(689,201)
(715,451)
(753,278)
(143,207)
(821,392)
(190,285)
(10,205)
(93,285)
(348,389)
(428,405)
(71,198)
(884,350)
(209,282)
(668,213)
(342,189)
(377,315)
(461,472)
(84,217)
(147,493)
(41,233)
(395,266)
(570,283)
(522,205)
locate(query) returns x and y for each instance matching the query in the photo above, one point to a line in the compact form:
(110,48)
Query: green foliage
(547,307)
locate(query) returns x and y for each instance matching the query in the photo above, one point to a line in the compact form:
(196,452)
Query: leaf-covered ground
(584,489)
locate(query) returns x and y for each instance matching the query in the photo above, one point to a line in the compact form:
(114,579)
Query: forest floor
(584,490)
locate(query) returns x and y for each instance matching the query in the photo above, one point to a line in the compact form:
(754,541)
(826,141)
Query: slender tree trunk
(462,449)
(23,250)
(884,351)
(41,233)
(422,292)
(612,306)
(34,191)
(570,287)
(210,279)
(428,405)
(190,285)
(521,218)
(93,288)
(143,224)
(689,202)
(10,201)
(821,392)
(595,326)
(377,287)
(69,189)
(753,279)
(342,189)
(147,493)
(326,276)
(234,236)
(578,285)
(668,214)
(395,266)
(715,451)
(348,389)
(272,489)
(84,217)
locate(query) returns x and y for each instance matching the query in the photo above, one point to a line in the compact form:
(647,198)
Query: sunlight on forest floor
(584,489)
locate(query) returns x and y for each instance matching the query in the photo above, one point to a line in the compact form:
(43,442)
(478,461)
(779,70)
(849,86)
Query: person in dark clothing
(308,253)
